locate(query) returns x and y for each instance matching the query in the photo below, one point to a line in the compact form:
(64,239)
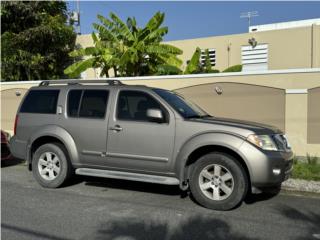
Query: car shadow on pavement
(260,197)
(130,185)
(11,162)
(194,228)
(307,219)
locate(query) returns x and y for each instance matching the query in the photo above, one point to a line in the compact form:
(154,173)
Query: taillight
(15,124)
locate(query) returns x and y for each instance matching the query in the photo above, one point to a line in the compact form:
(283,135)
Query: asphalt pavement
(95,208)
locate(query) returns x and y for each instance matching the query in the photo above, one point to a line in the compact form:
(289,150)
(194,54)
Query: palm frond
(155,21)
(94,37)
(193,65)
(123,28)
(166,69)
(106,22)
(157,34)
(105,34)
(75,69)
(171,60)
(163,49)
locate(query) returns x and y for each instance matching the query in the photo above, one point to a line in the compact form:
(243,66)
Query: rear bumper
(18,148)
(267,168)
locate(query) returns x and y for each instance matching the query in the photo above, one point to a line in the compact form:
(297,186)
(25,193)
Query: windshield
(181,105)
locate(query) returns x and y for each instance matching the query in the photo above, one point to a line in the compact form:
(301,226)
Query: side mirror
(155,115)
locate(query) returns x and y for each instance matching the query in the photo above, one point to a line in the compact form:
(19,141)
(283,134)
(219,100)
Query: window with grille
(254,58)
(212,56)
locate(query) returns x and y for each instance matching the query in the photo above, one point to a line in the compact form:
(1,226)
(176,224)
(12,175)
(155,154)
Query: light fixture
(253,42)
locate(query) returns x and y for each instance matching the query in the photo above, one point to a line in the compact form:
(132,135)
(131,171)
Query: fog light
(276,171)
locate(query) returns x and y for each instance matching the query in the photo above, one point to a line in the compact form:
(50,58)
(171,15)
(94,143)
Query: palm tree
(194,65)
(128,49)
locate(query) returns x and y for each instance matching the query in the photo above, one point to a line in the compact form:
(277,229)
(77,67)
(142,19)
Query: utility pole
(249,15)
(78,12)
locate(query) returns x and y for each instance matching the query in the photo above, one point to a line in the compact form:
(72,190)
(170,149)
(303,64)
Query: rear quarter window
(40,101)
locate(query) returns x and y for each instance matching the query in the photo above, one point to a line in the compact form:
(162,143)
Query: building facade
(289,45)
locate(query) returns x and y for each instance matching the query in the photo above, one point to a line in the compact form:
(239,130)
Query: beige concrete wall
(314,116)
(316,46)
(296,105)
(243,101)
(10,100)
(287,48)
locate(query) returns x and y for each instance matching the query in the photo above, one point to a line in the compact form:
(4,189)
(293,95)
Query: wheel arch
(201,151)
(49,134)
(207,143)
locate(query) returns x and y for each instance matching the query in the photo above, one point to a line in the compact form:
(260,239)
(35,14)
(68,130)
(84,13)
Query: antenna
(249,15)
(75,17)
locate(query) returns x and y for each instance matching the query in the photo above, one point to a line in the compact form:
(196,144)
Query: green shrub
(235,68)
(214,71)
(312,159)
(306,171)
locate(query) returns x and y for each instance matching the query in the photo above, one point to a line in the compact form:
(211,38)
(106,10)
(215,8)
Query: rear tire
(218,181)
(51,166)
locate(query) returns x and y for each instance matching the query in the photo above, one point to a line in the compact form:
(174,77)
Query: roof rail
(111,82)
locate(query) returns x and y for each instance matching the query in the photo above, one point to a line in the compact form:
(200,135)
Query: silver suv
(109,129)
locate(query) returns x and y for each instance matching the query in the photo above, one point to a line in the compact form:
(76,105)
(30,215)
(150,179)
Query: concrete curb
(301,185)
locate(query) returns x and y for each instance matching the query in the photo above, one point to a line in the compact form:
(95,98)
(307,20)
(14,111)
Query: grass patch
(307,170)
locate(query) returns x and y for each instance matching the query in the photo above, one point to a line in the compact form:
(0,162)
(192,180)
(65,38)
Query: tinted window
(93,103)
(73,102)
(40,101)
(133,105)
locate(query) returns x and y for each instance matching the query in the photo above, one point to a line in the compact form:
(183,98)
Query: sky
(195,19)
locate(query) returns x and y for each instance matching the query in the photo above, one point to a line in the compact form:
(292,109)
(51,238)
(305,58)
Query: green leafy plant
(35,40)
(308,169)
(128,49)
(313,160)
(193,65)
(235,68)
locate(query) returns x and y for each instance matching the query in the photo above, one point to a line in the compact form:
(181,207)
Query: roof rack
(111,82)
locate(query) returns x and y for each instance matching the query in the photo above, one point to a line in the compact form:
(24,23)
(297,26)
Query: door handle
(116,128)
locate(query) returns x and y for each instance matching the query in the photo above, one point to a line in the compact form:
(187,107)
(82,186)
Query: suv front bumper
(267,168)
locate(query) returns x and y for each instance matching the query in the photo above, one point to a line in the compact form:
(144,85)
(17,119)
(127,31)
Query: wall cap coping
(187,76)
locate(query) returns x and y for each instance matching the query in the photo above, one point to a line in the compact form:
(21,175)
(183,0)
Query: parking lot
(93,208)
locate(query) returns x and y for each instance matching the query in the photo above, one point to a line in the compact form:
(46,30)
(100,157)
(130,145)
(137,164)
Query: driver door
(134,141)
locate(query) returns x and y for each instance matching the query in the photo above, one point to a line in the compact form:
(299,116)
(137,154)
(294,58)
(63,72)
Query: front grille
(281,142)
(5,152)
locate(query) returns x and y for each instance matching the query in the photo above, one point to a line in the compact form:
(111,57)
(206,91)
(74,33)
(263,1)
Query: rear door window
(87,103)
(40,101)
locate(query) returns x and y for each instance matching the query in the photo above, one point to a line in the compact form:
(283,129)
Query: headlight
(263,141)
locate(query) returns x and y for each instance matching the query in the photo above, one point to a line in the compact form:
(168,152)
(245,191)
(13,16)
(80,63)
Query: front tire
(51,166)
(218,181)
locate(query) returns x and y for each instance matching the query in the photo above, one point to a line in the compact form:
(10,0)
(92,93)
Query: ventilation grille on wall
(254,58)
(212,56)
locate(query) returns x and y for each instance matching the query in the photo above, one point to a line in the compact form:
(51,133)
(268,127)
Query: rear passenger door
(87,121)
(136,142)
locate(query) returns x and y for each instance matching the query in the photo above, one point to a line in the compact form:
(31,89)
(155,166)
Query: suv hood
(254,127)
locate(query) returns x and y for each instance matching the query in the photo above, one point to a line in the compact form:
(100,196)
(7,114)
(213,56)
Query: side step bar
(127,176)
